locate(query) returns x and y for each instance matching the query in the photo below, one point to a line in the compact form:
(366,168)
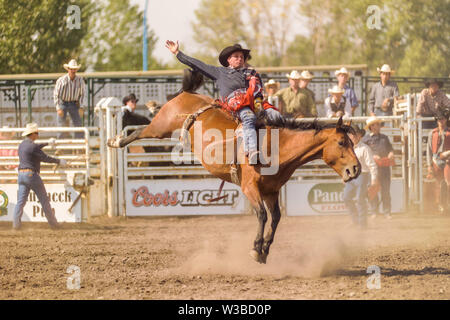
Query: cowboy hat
(371,121)
(385,68)
(130,97)
(30,128)
(272,83)
(441,114)
(228,51)
(429,82)
(306,75)
(336,89)
(72,65)
(294,75)
(342,70)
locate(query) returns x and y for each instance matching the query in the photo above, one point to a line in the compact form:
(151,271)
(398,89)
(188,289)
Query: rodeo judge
(30,158)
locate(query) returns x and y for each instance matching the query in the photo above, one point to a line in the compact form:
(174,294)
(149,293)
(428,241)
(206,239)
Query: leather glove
(62,163)
(52,143)
(274,115)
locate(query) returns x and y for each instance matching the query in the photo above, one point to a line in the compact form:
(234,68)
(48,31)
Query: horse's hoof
(255,255)
(263,258)
(113,142)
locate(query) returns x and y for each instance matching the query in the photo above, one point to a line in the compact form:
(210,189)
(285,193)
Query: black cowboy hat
(441,114)
(429,82)
(130,97)
(223,57)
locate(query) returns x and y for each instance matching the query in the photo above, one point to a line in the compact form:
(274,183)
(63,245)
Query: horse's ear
(339,123)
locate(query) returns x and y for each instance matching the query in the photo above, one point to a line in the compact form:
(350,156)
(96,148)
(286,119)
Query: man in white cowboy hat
(337,105)
(342,76)
(240,89)
(30,158)
(272,87)
(383,154)
(295,100)
(383,93)
(68,97)
(432,101)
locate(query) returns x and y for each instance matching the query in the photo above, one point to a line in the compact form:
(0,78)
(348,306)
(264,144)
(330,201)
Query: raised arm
(210,71)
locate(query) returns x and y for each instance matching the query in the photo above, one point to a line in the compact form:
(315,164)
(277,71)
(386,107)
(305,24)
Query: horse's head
(338,152)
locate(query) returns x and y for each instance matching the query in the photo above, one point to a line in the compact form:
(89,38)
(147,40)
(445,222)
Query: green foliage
(34,36)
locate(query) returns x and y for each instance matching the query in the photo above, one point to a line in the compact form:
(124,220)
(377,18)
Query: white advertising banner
(61,199)
(306,198)
(182,197)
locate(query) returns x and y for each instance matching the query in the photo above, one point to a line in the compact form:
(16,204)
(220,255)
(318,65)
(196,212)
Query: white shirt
(365,157)
(347,108)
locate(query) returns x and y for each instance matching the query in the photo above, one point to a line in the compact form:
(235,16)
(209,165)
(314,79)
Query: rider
(240,89)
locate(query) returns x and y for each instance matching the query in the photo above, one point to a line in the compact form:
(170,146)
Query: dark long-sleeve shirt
(227,79)
(379,143)
(31,155)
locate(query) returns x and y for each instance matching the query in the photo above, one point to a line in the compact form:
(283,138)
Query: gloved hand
(62,163)
(274,116)
(445,155)
(52,143)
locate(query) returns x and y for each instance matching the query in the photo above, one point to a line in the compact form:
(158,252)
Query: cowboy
(384,157)
(30,158)
(383,93)
(438,157)
(272,87)
(342,76)
(432,100)
(68,97)
(337,105)
(240,89)
(129,117)
(360,185)
(296,100)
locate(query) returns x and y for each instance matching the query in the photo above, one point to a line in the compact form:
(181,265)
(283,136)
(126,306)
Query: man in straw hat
(383,154)
(342,76)
(272,87)
(438,157)
(68,97)
(30,158)
(383,93)
(359,186)
(240,89)
(432,101)
(296,100)
(337,105)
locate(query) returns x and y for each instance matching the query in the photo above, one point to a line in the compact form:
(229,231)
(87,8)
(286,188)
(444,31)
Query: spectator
(383,93)
(294,100)
(305,79)
(431,101)
(342,76)
(30,158)
(129,117)
(384,157)
(337,105)
(272,87)
(153,108)
(359,186)
(68,97)
(438,156)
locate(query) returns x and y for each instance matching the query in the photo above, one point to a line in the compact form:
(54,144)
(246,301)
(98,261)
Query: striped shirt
(68,90)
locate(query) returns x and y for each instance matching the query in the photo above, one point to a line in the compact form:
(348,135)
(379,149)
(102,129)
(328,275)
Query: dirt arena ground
(207,258)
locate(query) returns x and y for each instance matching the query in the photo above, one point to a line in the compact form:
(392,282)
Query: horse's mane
(294,124)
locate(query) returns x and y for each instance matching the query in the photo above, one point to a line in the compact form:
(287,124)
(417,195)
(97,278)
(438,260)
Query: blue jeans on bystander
(72,109)
(359,188)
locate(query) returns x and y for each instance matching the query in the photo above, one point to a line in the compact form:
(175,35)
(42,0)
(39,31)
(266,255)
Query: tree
(114,42)
(34,35)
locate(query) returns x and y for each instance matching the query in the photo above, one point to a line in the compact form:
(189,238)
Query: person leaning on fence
(272,87)
(342,76)
(30,158)
(360,185)
(68,97)
(129,116)
(240,89)
(384,157)
(296,100)
(438,157)
(337,105)
(432,100)
(383,93)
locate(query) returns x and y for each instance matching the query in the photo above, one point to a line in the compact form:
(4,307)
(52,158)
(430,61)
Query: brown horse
(297,142)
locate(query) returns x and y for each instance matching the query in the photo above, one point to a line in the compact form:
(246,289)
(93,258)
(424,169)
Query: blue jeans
(248,119)
(31,181)
(359,188)
(384,177)
(72,109)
